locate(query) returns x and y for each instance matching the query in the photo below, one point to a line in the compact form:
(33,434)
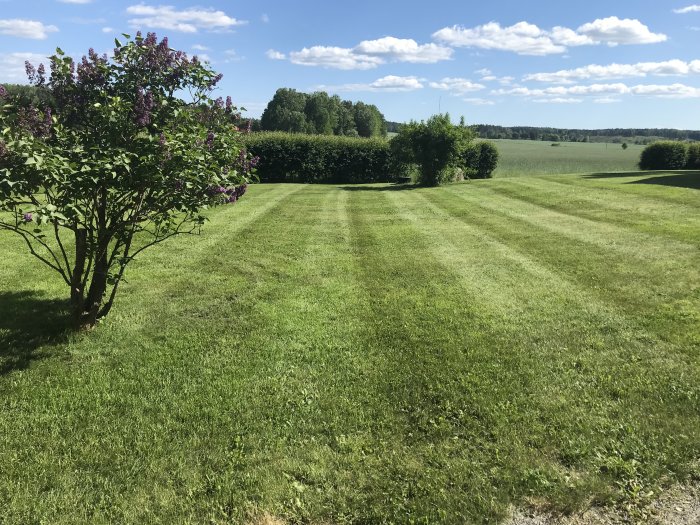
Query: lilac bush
(123,162)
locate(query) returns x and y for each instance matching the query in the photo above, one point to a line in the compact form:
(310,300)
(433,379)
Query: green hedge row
(670,155)
(286,157)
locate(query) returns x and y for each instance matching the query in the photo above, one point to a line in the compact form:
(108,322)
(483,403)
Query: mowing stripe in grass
(610,276)
(633,211)
(626,241)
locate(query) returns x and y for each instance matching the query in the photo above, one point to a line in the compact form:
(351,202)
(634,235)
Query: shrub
(436,146)
(117,165)
(288,157)
(693,162)
(483,161)
(664,155)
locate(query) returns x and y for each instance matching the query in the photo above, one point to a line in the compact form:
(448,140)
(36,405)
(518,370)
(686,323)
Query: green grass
(528,157)
(368,354)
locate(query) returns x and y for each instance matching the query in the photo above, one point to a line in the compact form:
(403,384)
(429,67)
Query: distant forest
(614,135)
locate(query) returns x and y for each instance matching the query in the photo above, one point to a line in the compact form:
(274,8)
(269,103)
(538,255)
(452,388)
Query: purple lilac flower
(219,103)
(3,148)
(28,217)
(143,107)
(30,70)
(210,140)
(3,91)
(229,105)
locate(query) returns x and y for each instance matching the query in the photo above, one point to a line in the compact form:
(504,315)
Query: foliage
(480,160)
(624,145)
(437,146)
(286,157)
(120,164)
(693,162)
(319,113)
(664,155)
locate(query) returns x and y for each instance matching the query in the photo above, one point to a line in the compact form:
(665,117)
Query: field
(528,157)
(369,354)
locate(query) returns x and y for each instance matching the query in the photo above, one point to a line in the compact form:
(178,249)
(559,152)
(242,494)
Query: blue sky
(592,64)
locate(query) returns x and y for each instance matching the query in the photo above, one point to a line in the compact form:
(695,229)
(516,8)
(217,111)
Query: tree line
(321,114)
(615,135)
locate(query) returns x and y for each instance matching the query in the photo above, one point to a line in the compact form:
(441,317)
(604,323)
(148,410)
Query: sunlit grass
(368,354)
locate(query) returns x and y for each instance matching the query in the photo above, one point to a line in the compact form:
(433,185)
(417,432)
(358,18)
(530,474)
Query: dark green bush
(480,160)
(436,146)
(693,162)
(286,157)
(664,155)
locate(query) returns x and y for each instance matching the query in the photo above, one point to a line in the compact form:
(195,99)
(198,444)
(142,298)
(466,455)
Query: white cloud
(479,101)
(26,28)
(614,31)
(333,57)
(403,50)
(12,66)
(369,54)
(695,8)
(390,83)
(524,38)
(607,100)
(485,72)
(665,90)
(457,86)
(186,20)
(275,55)
(200,47)
(265,19)
(558,100)
(75,1)
(641,69)
(108,30)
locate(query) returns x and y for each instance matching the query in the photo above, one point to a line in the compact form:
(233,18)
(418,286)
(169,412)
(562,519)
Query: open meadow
(370,354)
(531,157)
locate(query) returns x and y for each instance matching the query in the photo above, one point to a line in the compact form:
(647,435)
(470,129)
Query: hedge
(664,155)
(286,157)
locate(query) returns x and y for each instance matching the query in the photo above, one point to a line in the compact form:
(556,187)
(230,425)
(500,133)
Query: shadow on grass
(391,187)
(678,179)
(27,323)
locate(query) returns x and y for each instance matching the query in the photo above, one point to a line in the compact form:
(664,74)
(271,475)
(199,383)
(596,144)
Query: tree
(624,145)
(320,113)
(435,146)
(369,121)
(286,112)
(120,165)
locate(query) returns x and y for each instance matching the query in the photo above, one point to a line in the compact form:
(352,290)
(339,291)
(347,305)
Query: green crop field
(369,354)
(528,157)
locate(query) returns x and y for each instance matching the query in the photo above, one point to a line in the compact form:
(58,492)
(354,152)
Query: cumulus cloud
(457,86)
(369,54)
(26,28)
(558,100)
(664,90)
(479,101)
(200,47)
(186,20)
(108,30)
(695,8)
(12,65)
(389,83)
(403,50)
(641,69)
(607,100)
(275,55)
(614,31)
(524,38)
(333,57)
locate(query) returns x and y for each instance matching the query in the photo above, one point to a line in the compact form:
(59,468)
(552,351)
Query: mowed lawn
(368,354)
